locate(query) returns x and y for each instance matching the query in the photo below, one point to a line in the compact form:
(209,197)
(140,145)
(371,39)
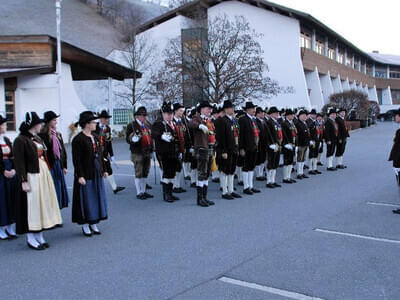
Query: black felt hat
(32,119)
(49,115)
(289,112)
(140,111)
(104,115)
(248,105)
(227,104)
(86,117)
(2,119)
(331,110)
(272,110)
(313,112)
(177,106)
(167,107)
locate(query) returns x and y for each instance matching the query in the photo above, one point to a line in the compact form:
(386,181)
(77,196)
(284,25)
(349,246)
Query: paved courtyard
(332,236)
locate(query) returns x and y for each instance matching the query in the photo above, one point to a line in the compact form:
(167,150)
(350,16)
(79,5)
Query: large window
(305,40)
(10,85)
(320,48)
(395,95)
(394,72)
(122,116)
(379,92)
(380,72)
(331,53)
(340,58)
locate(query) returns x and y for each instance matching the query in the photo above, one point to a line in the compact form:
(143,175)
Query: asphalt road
(332,236)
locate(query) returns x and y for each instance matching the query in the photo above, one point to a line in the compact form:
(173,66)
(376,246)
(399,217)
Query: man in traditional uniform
(248,146)
(103,131)
(303,142)
(315,139)
(343,134)
(330,136)
(166,139)
(289,133)
(274,142)
(395,154)
(262,145)
(320,128)
(187,157)
(138,136)
(227,136)
(203,143)
(181,131)
(214,170)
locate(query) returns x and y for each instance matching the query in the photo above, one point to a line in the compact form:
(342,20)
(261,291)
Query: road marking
(271,290)
(383,204)
(360,236)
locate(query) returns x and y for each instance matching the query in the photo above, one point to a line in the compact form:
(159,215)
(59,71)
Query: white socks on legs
(230,183)
(177,180)
(251,176)
(3,233)
(186,169)
(142,185)
(111,181)
(86,229)
(224,183)
(330,161)
(138,186)
(245,180)
(239,173)
(30,237)
(11,229)
(40,238)
(339,160)
(193,176)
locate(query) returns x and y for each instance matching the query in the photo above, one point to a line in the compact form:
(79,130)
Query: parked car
(388,116)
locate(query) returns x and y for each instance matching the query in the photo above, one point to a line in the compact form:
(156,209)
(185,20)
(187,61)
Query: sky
(369,24)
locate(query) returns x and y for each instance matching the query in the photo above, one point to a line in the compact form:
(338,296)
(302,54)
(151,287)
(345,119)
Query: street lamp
(58,22)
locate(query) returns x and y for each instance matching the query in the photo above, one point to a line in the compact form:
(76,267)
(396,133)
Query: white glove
(272,147)
(203,128)
(135,139)
(191,150)
(166,137)
(296,149)
(180,156)
(311,143)
(396,170)
(112,158)
(288,146)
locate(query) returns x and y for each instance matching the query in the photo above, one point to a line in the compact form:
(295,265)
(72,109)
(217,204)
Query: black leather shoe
(331,169)
(287,181)
(11,236)
(396,211)
(46,245)
(235,195)
(261,178)
(300,177)
(210,203)
(216,180)
(240,183)
(293,181)
(306,167)
(147,195)
(202,203)
(254,190)
(174,198)
(193,185)
(86,234)
(312,173)
(247,192)
(270,185)
(319,164)
(304,176)
(277,185)
(317,172)
(227,197)
(141,196)
(118,189)
(40,247)
(148,187)
(94,232)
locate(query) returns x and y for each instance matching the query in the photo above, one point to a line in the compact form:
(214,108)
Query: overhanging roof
(304,18)
(84,65)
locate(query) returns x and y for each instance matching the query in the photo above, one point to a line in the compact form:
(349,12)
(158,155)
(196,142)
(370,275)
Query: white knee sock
(193,175)
(40,238)
(330,161)
(269,174)
(177,180)
(186,169)
(239,172)
(11,229)
(299,171)
(94,227)
(285,172)
(250,178)
(290,170)
(230,179)
(315,164)
(245,180)
(3,233)
(142,185)
(161,172)
(30,237)
(86,228)
(214,174)
(224,183)
(319,157)
(111,181)
(273,178)
(339,160)
(138,186)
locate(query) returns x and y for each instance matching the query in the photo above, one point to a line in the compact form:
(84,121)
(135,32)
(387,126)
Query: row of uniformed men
(239,143)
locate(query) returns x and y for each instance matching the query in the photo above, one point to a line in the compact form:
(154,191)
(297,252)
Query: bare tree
(229,64)
(356,104)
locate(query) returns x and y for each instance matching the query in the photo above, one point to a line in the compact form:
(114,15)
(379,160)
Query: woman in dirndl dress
(56,156)
(89,203)
(36,204)
(7,185)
